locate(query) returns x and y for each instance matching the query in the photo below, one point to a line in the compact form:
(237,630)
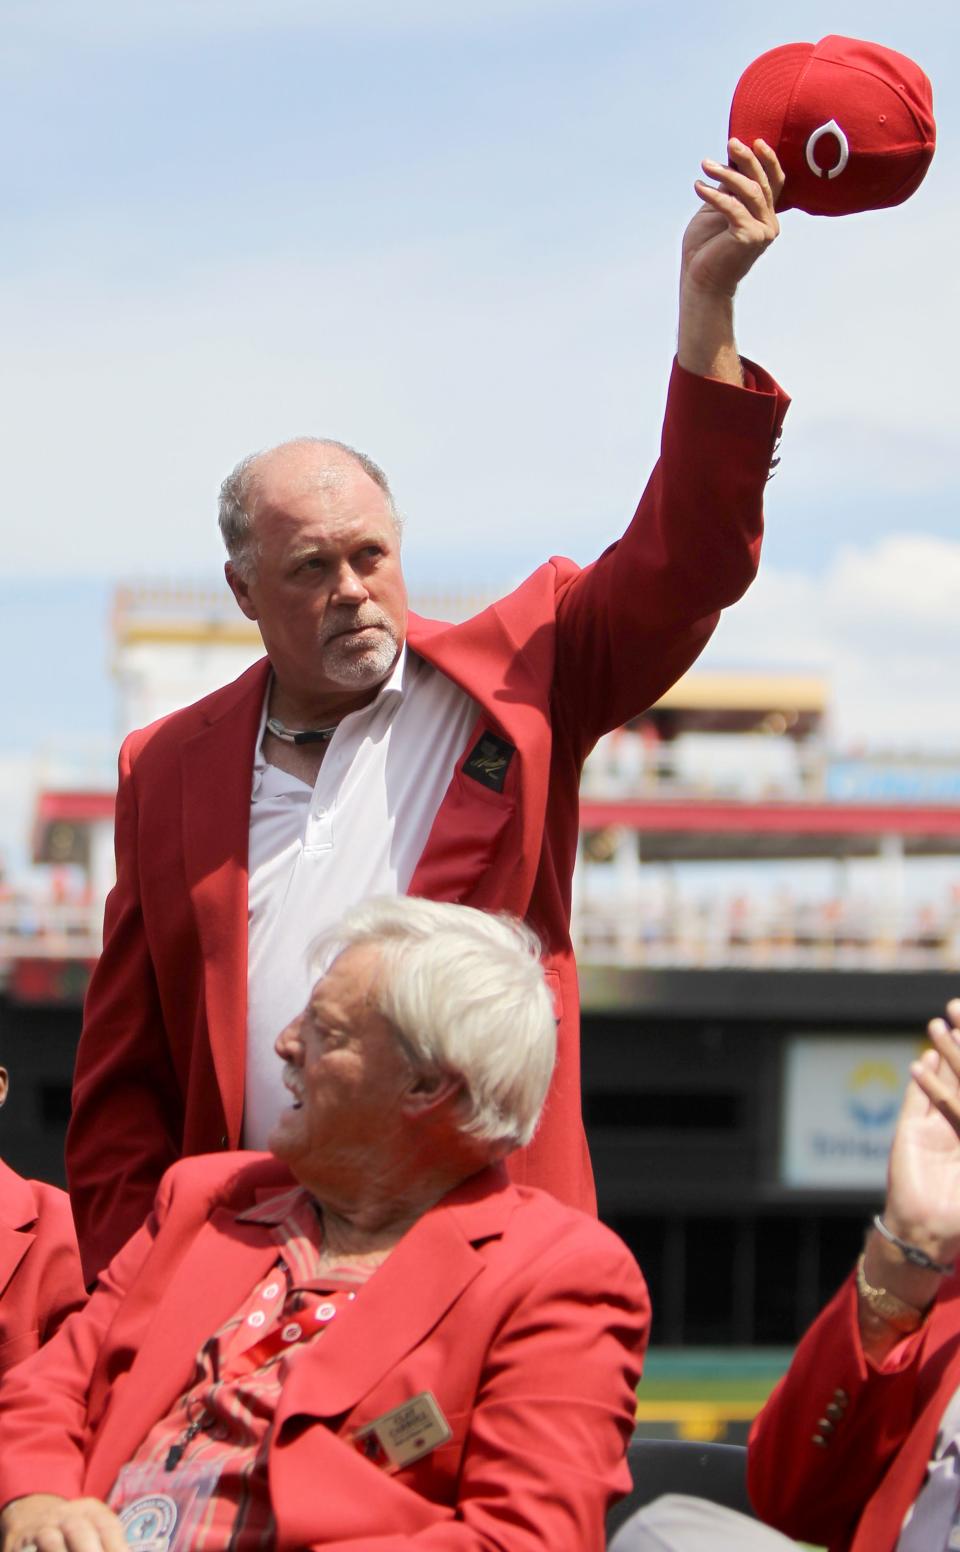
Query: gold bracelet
(894,1312)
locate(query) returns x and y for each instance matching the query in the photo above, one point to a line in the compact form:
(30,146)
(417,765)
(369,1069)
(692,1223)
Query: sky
(449,234)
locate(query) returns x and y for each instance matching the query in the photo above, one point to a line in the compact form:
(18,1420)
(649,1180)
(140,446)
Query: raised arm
(869,1367)
(634,621)
(922,1208)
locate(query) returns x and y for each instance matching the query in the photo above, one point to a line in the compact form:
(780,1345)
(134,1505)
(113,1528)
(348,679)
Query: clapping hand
(923,1195)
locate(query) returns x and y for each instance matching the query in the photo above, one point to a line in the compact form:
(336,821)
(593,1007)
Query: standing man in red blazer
(372,1340)
(372,752)
(858,1448)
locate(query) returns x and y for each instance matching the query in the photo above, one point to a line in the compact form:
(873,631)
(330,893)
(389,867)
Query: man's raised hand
(738,220)
(735,224)
(923,1184)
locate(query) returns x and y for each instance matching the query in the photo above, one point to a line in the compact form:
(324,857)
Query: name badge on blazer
(405,1434)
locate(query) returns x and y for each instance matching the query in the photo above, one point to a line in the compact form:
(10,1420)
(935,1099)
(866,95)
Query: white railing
(49,929)
(831,935)
(733,934)
(624,765)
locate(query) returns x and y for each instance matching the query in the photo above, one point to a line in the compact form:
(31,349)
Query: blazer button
(841,1397)
(819,1441)
(224,1141)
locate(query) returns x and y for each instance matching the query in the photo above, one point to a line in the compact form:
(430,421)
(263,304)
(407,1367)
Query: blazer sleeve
(43,1401)
(545,1454)
(127,1117)
(817,1491)
(630,624)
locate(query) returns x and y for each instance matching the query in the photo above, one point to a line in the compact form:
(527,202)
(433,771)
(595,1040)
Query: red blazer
(852,1493)
(40,1278)
(525,1319)
(568,656)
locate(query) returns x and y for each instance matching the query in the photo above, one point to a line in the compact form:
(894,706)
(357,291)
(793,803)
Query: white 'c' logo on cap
(830,128)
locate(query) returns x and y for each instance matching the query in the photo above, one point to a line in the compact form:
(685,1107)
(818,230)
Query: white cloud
(907,583)
(879,623)
(853,314)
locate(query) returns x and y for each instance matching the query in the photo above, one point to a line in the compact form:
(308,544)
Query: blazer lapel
(503,659)
(902,1482)
(18,1212)
(14,1244)
(216,824)
(403,1301)
(517,664)
(222,1265)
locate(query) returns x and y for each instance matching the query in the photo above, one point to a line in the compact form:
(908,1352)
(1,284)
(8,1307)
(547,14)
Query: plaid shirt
(219,1431)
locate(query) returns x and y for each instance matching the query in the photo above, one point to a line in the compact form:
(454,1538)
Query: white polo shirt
(316,851)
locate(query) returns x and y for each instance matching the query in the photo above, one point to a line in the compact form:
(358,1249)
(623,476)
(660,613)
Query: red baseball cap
(851,122)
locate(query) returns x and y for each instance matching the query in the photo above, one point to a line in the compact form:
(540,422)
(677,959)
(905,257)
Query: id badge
(159,1509)
(405,1434)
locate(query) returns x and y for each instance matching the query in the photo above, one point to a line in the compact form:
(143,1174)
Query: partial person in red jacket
(858,1448)
(374,752)
(40,1278)
(372,1340)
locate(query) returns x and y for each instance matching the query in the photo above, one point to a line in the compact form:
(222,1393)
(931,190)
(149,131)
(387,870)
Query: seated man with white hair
(367,1337)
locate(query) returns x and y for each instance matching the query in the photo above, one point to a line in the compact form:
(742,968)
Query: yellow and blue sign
(840,1101)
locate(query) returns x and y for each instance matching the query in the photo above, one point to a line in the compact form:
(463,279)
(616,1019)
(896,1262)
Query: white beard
(360,668)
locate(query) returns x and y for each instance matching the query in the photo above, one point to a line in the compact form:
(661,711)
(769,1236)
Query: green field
(706,1393)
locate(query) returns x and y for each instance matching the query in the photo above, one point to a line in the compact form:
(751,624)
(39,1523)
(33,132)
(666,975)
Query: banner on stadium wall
(867,781)
(841,1097)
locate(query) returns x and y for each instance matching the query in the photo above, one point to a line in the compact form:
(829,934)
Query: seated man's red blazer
(525,1319)
(40,1278)
(848,1486)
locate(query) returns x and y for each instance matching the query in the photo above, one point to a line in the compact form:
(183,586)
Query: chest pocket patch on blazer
(489,761)
(464,857)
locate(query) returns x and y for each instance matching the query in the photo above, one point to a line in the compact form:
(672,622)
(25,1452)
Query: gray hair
(466,995)
(235,517)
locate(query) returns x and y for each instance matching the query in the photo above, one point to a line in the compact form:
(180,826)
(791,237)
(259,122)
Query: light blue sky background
(448,233)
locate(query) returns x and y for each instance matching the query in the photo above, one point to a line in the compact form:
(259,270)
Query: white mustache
(375,620)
